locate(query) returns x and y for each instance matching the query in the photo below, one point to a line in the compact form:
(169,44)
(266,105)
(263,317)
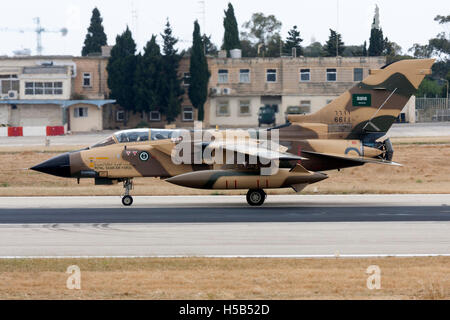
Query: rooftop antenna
(134,22)
(337,28)
(202,4)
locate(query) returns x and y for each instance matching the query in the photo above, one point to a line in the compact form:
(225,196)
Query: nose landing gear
(256,197)
(127,200)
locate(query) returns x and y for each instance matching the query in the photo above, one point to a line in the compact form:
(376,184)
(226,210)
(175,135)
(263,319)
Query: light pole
(446,101)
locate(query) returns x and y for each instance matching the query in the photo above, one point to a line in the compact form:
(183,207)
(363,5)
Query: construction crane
(39,30)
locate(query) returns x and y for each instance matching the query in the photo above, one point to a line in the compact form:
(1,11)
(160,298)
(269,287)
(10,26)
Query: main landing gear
(127,200)
(256,197)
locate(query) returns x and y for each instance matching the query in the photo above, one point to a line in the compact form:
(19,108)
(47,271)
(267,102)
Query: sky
(403,21)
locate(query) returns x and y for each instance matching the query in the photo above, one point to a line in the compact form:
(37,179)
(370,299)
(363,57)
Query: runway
(293,226)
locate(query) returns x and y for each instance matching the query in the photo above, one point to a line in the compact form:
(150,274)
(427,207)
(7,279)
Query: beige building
(38,91)
(90,91)
(30,85)
(239,87)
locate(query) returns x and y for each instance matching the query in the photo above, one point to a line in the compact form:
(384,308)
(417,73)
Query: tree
(293,41)
(248,49)
(376,41)
(391,48)
(420,51)
(315,49)
(364,51)
(435,85)
(274,47)
(198,87)
(95,37)
(441,43)
(429,88)
(121,69)
(262,30)
(171,91)
(231,33)
(210,47)
(330,46)
(353,51)
(442,19)
(148,75)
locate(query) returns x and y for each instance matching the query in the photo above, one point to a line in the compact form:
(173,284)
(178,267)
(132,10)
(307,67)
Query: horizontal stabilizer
(361,160)
(299,169)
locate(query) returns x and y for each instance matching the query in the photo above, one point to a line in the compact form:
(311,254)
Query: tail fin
(372,105)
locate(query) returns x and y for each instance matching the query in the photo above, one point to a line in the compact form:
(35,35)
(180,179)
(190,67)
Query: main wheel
(127,201)
(256,197)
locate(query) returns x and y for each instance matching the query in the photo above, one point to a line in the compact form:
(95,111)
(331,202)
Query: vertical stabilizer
(371,106)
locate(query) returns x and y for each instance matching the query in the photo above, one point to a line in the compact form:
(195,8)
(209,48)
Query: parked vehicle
(292,110)
(266,115)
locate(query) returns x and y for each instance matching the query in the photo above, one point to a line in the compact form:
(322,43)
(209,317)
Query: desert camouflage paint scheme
(350,131)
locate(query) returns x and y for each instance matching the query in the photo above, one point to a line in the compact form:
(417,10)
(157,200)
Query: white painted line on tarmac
(318,256)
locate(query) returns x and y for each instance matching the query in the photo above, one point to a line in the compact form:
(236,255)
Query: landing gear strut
(256,197)
(127,200)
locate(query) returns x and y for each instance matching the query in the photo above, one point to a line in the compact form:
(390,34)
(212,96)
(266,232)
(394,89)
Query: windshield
(134,135)
(105,142)
(138,135)
(161,134)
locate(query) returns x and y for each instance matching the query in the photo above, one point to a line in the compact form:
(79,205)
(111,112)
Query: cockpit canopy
(138,135)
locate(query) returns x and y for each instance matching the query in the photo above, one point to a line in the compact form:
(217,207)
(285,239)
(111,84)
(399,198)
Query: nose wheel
(127,200)
(256,197)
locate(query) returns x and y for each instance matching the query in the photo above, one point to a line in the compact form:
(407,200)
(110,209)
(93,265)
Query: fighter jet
(350,131)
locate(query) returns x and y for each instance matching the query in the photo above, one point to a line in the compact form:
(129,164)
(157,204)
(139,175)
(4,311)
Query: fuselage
(147,153)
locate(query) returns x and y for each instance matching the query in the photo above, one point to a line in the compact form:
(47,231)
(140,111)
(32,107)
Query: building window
(120,116)
(188,114)
(357,74)
(244,76)
(331,75)
(305,106)
(8,82)
(305,75)
(155,116)
(86,79)
(223,109)
(40,88)
(57,88)
(223,76)
(271,75)
(48,88)
(186,79)
(244,108)
(80,112)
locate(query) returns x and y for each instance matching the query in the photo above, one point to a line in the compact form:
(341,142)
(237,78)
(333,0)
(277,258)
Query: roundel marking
(144,156)
(348,150)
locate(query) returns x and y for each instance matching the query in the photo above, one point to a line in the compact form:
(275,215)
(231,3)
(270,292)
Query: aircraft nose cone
(57,166)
